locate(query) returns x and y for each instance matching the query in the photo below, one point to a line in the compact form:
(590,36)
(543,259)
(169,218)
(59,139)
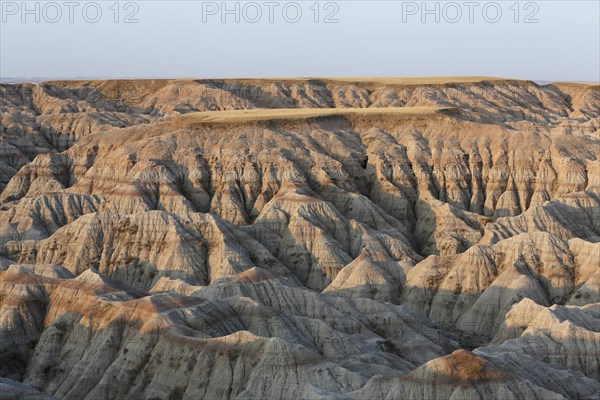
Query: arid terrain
(300,239)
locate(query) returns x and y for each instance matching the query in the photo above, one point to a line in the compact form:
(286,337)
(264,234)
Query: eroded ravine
(335,239)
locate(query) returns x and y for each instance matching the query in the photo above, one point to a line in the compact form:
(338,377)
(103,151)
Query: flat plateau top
(355,80)
(269,114)
(360,81)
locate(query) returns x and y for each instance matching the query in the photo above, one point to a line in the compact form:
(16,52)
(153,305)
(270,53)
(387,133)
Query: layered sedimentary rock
(300,239)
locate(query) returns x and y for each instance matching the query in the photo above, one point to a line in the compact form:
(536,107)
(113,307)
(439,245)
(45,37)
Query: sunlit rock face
(262,239)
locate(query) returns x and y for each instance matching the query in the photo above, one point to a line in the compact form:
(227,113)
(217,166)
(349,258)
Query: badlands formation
(300,239)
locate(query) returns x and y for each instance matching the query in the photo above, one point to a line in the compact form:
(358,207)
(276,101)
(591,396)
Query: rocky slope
(322,238)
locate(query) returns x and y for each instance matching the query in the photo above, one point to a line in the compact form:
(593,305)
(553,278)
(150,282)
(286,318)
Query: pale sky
(371,38)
